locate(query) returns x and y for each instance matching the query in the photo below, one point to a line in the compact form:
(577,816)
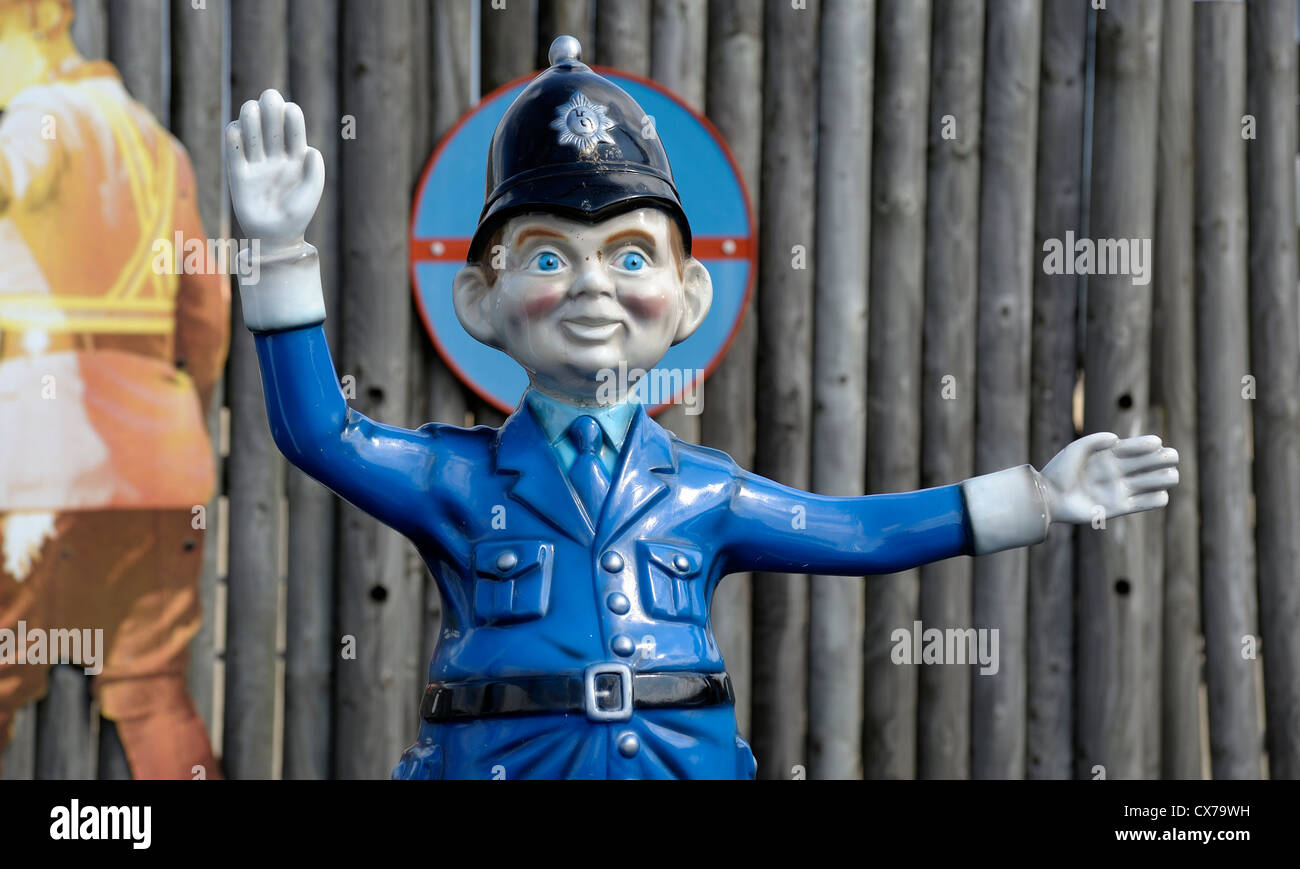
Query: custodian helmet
(575,144)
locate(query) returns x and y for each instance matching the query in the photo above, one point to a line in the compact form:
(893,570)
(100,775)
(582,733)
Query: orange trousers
(134,574)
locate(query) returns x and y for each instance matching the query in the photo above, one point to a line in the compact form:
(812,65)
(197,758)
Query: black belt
(605,692)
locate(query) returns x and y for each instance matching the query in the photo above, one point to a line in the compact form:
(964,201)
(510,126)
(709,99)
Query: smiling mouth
(591,329)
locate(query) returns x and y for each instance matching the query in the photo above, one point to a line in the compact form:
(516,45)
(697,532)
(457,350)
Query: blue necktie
(587,473)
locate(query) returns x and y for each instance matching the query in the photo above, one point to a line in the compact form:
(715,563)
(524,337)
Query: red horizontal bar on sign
(439,249)
(456,249)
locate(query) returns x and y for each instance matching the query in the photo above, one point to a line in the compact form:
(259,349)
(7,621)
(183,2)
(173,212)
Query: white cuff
(1007,509)
(281,290)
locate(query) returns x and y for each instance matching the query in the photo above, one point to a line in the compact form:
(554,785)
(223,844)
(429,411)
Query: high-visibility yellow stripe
(118,125)
(10,301)
(98,325)
(163,283)
(134,157)
(160,223)
(153,213)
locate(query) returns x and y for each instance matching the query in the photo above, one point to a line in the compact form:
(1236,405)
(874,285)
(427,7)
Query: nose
(592,280)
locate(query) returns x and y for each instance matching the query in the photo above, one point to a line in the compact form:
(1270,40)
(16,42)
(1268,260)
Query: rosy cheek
(542,300)
(645,306)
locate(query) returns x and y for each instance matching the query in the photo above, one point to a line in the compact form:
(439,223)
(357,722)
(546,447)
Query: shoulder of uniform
(47,98)
(706,458)
(458,438)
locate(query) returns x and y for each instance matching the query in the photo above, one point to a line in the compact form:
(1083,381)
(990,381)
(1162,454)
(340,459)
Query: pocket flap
(510,559)
(673,558)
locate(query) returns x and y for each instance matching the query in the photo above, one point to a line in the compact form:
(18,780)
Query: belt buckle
(598,691)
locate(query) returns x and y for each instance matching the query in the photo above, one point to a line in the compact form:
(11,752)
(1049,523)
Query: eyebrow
(537,232)
(640,234)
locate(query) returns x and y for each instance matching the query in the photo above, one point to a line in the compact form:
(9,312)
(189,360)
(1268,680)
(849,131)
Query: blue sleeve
(384,470)
(776,528)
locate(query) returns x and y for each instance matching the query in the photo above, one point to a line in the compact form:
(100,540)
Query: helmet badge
(583,123)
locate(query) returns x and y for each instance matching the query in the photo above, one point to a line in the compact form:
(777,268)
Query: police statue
(576,640)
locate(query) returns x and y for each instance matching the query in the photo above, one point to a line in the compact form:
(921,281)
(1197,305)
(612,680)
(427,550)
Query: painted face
(573,300)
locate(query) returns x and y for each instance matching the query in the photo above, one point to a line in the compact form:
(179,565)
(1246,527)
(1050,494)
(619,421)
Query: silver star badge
(583,123)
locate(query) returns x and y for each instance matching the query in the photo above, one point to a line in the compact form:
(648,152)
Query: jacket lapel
(541,485)
(647,453)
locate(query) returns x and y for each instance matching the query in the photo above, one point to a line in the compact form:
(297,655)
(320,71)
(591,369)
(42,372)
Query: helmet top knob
(564,48)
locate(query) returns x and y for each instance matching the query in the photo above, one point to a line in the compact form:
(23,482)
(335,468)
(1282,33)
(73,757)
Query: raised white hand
(1117,476)
(275,178)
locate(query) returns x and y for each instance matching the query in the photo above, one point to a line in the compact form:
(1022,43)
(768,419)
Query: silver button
(680,562)
(628,744)
(618,603)
(507,560)
(623,646)
(612,561)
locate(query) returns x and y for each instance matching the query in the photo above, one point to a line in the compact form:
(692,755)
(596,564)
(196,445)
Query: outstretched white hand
(1100,471)
(275,178)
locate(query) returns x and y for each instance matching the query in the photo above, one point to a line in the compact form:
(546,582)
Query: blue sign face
(450,197)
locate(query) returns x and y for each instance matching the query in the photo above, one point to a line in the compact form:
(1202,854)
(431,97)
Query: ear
(469,295)
(697,297)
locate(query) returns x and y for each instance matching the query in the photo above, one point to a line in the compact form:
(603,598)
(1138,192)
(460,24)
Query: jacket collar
(556,416)
(522,448)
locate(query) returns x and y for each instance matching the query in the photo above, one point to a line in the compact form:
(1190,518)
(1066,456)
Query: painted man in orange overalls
(107,363)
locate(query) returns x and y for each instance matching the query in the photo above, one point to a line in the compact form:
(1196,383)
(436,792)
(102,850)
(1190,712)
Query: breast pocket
(671,584)
(512,580)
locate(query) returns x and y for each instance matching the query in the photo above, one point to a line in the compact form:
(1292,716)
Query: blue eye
(632,262)
(547,261)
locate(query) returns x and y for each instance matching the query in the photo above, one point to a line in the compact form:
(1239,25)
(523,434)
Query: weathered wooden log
(63,726)
(784,396)
(839,372)
(311,644)
(507,37)
(622,27)
(196,119)
(1275,364)
(679,48)
(562,18)
(259,54)
(90,28)
(1012,38)
(1173,388)
(948,363)
(380,602)
(897,232)
(1224,410)
(1114,589)
(19,760)
(1058,210)
(137,46)
(735,106)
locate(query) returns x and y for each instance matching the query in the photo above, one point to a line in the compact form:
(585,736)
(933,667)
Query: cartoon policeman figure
(576,642)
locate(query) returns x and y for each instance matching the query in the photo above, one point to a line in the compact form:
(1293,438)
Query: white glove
(275,185)
(24,535)
(1101,476)
(1098,476)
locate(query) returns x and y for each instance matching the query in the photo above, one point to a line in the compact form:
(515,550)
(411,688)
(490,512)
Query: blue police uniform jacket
(529,587)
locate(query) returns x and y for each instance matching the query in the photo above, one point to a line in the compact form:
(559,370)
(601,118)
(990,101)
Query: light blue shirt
(556,416)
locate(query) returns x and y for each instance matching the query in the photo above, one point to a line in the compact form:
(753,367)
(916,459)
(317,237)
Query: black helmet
(575,144)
